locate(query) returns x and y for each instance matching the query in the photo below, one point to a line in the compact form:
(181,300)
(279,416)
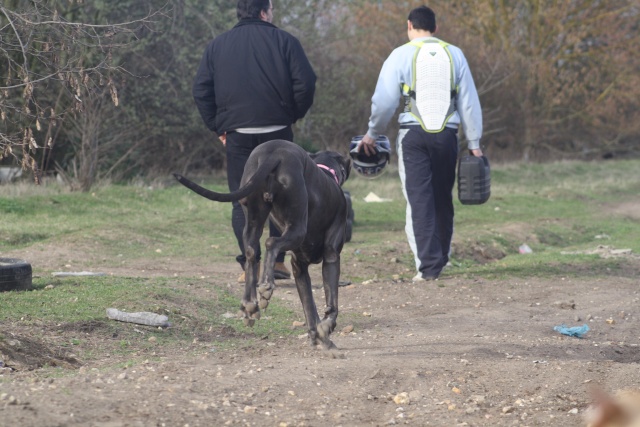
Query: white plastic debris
(141,318)
(77,273)
(374,198)
(525,249)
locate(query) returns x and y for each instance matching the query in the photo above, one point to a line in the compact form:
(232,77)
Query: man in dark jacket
(253,83)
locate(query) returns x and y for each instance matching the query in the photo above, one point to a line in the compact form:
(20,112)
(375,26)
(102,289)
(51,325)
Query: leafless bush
(54,68)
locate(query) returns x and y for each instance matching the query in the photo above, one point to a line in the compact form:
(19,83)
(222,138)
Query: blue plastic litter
(576,331)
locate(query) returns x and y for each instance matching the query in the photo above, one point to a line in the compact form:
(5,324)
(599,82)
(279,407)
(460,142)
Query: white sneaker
(420,278)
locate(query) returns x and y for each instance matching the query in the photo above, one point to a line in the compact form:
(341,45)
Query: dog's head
(336,161)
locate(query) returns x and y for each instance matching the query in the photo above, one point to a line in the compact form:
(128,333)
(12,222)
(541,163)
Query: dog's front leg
(330,280)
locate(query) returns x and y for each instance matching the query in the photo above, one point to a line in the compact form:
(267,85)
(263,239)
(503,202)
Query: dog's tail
(257,179)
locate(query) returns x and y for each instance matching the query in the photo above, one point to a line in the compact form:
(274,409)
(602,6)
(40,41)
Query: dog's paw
(325,328)
(266,291)
(326,345)
(334,353)
(250,312)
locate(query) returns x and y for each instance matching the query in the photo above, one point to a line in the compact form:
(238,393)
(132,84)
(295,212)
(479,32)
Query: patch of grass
(545,265)
(79,307)
(127,221)
(275,322)
(565,206)
(22,239)
(12,206)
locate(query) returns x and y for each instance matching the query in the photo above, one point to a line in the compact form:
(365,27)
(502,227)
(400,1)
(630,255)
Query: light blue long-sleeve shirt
(397,71)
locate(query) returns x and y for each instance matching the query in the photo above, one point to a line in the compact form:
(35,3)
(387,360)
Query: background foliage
(110,101)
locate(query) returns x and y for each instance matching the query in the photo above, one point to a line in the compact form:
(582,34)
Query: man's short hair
(247,9)
(423,18)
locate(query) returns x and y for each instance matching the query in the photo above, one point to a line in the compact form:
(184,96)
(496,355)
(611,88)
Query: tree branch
(22,48)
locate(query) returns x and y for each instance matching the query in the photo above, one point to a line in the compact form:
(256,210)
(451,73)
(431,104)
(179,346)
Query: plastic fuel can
(474,180)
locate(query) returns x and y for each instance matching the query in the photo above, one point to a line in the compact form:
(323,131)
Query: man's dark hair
(423,18)
(247,9)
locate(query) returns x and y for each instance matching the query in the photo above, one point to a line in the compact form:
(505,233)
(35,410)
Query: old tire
(15,275)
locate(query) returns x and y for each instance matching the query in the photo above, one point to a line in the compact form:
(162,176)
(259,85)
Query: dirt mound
(482,253)
(20,353)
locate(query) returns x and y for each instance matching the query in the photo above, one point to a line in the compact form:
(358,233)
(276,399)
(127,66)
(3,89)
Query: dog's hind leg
(267,282)
(293,224)
(256,216)
(291,238)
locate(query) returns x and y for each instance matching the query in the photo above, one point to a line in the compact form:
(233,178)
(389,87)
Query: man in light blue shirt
(427,158)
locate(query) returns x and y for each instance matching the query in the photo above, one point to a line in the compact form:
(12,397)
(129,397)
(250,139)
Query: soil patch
(461,351)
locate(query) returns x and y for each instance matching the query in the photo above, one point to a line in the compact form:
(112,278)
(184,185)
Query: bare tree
(102,138)
(49,66)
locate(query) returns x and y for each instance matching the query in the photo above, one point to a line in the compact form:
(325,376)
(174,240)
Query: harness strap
(331,171)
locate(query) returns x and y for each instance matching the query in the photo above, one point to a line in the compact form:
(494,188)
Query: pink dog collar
(332,173)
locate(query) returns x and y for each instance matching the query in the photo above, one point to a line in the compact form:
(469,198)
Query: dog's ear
(347,166)
(344,162)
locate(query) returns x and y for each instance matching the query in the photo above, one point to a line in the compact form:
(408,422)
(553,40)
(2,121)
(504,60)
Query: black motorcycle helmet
(370,166)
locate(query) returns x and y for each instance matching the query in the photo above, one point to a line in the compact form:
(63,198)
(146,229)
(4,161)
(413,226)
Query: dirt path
(457,352)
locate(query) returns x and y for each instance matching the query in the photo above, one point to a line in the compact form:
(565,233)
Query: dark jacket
(253,75)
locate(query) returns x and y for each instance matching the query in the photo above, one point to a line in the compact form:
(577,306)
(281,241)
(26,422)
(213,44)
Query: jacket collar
(253,21)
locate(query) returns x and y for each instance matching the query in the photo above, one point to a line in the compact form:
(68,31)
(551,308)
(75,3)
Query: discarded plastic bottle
(474,180)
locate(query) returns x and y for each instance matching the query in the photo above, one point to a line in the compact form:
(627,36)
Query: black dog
(302,195)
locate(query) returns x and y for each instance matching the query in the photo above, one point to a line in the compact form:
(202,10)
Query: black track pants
(427,166)
(239,147)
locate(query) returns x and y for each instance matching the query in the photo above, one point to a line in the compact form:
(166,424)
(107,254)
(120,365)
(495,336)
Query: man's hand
(477,152)
(223,138)
(368,144)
